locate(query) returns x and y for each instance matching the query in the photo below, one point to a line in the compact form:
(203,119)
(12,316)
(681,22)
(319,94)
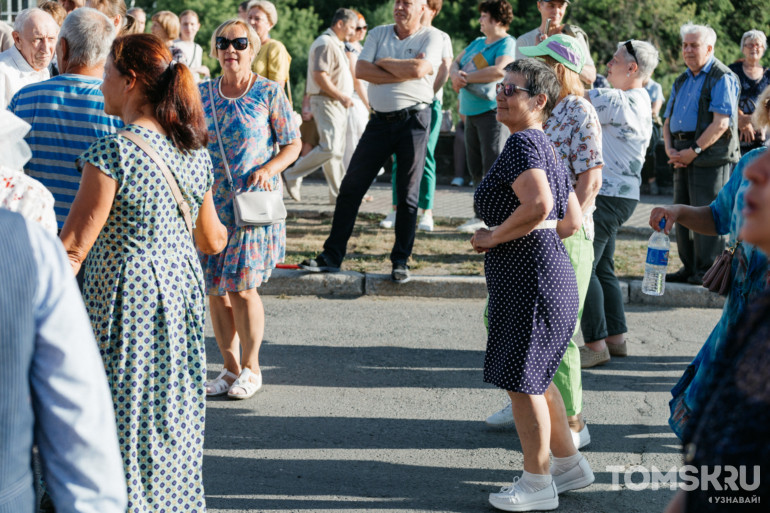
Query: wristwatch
(697,149)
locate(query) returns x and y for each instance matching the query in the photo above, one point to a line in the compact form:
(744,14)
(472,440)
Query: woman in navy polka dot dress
(528,202)
(143,281)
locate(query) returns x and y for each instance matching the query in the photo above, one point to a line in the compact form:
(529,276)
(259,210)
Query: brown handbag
(719,276)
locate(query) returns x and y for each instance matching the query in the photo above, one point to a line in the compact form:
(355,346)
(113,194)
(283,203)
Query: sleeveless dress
(251,127)
(143,290)
(533,295)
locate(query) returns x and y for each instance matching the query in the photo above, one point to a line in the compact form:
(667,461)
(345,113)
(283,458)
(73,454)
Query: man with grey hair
(66,112)
(700,132)
(400,62)
(330,86)
(26,62)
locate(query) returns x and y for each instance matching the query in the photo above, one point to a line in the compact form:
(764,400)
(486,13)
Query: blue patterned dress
(749,280)
(251,127)
(144,293)
(533,295)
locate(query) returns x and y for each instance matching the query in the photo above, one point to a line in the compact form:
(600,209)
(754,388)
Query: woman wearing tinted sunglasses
(254,117)
(527,201)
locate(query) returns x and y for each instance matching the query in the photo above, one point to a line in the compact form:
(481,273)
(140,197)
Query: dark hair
(435,5)
(499,10)
(168,85)
(540,78)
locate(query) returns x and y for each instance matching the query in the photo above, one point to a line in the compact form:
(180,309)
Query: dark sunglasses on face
(239,43)
(362,28)
(630,50)
(509,89)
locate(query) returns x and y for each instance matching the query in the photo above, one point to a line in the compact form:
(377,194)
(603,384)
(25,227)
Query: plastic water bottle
(654,282)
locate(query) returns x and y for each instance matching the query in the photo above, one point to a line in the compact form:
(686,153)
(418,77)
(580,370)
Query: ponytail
(169,86)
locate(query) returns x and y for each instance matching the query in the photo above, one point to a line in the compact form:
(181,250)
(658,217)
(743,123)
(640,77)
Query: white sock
(561,465)
(532,483)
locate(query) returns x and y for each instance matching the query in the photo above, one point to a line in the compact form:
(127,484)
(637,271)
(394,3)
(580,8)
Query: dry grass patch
(444,251)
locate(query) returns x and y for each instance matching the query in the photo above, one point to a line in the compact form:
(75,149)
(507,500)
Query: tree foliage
(605,21)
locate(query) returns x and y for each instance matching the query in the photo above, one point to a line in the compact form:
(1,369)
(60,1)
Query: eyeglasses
(509,89)
(239,43)
(362,28)
(630,50)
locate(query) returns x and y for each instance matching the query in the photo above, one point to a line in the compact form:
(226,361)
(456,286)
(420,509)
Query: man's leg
(325,117)
(337,114)
(410,153)
(428,182)
(493,137)
(684,243)
(473,148)
(706,184)
(373,150)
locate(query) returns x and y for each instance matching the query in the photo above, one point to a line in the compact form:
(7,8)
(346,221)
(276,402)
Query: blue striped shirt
(67,115)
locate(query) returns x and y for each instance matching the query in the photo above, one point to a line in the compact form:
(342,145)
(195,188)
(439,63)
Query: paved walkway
(450,202)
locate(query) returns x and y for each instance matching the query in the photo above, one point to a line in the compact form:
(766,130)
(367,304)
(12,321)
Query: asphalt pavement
(376,404)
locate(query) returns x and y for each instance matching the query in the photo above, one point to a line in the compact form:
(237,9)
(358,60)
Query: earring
(628,74)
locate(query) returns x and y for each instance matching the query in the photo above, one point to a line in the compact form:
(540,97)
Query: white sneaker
(293,188)
(501,418)
(582,438)
(577,477)
(470,226)
(426,223)
(513,498)
(389,220)
(457,181)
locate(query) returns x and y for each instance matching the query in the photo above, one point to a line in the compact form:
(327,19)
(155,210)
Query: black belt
(683,136)
(399,115)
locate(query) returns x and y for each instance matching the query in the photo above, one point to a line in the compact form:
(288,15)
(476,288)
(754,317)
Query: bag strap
(184,207)
(219,135)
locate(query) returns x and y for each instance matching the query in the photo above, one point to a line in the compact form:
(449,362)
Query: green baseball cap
(565,49)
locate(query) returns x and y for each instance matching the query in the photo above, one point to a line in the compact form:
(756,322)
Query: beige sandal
(219,386)
(245,383)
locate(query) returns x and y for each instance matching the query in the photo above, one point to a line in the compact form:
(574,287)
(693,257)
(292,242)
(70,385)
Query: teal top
(470,104)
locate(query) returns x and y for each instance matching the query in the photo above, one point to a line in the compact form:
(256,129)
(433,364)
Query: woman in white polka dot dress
(527,200)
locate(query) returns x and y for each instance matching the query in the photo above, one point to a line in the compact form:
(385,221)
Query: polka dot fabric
(533,296)
(144,293)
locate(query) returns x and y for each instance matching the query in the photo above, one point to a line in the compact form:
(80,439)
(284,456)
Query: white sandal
(244,382)
(219,386)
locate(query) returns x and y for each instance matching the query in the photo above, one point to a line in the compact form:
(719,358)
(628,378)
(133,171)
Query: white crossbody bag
(252,208)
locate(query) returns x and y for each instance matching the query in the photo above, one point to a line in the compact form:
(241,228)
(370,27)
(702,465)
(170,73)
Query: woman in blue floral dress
(254,117)
(143,283)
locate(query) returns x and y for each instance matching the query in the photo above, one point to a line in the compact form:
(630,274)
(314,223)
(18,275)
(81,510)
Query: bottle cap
(662,223)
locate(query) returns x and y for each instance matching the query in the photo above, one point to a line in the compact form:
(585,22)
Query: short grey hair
(267,7)
(541,79)
(89,35)
(706,33)
(23,16)
(754,35)
(345,15)
(647,58)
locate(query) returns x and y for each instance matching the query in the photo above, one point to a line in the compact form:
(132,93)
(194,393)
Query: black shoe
(318,265)
(400,273)
(695,279)
(681,276)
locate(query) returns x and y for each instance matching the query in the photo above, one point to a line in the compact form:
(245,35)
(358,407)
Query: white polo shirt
(382,42)
(15,73)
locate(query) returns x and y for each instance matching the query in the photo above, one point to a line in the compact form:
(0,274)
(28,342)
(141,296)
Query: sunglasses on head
(630,50)
(509,89)
(362,28)
(239,43)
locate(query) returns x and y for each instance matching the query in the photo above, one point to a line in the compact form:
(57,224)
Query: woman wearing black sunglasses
(251,116)
(527,201)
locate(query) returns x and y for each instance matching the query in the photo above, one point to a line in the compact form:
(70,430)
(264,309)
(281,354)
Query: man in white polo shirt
(26,62)
(399,62)
(330,86)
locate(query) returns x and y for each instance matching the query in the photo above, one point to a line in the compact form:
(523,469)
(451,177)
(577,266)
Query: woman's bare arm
(210,233)
(88,214)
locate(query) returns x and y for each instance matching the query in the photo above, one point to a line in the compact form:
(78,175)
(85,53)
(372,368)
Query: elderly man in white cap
(26,62)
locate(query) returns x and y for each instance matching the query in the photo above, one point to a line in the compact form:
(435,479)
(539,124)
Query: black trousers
(406,139)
